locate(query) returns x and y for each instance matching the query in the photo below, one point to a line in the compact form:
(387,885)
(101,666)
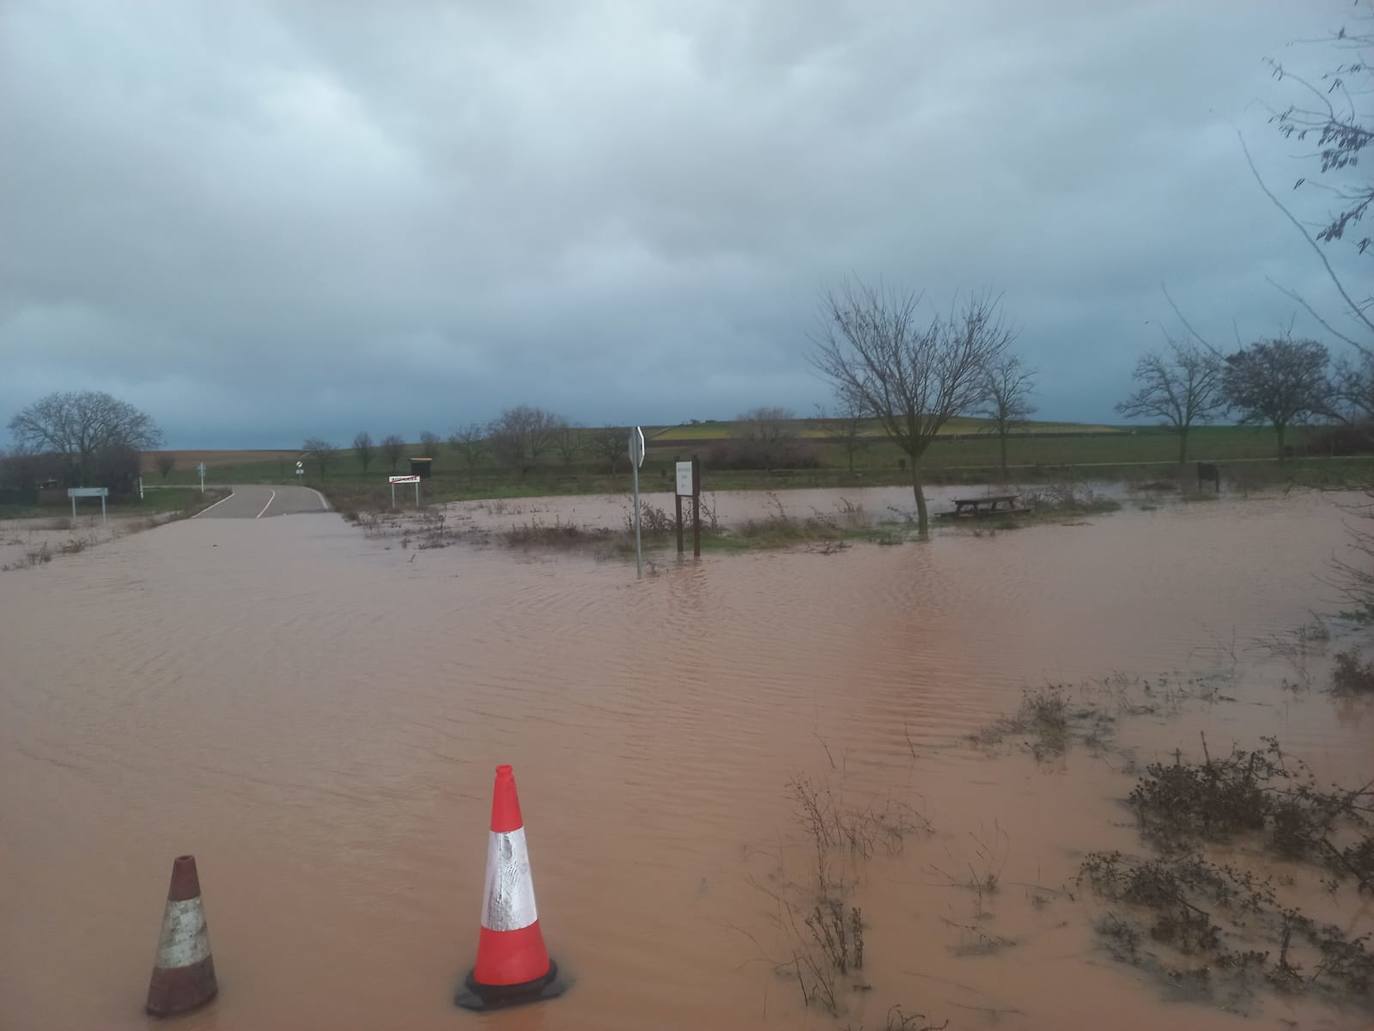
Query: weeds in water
(973,941)
(860,831)
(1261,792)
(38,556)
(1208,918)
(982,871)
(1350,676)
(899,1021)
(823,927)
(1069,499)
(1048,721)
(1218,931)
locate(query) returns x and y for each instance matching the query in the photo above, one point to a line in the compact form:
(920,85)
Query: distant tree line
(1279,382)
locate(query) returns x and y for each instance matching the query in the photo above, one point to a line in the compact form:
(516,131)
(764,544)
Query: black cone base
(474,996)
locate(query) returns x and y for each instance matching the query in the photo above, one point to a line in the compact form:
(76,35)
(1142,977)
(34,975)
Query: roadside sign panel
(636,447)
(684,480)
(393,480)
(88,492)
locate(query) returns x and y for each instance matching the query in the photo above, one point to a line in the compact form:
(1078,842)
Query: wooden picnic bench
(992,504)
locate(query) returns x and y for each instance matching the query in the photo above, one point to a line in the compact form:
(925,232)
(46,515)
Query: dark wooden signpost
(689,486)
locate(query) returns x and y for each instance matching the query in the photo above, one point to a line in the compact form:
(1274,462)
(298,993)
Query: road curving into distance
(258,501)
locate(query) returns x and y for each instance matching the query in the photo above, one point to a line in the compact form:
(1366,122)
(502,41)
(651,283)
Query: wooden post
(696,510)
(677,503)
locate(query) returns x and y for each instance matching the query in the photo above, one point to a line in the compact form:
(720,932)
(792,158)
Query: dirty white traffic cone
(513,966)
(184,974)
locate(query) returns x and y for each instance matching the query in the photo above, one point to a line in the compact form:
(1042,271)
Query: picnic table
(991,504)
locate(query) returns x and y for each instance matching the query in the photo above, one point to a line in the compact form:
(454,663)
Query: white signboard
(636,447)
(684,480)
(89,492)
(403,479)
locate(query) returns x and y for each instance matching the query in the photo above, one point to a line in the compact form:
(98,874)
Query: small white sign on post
(201,469)
(300,468)
(393,480)
(684,480)
(89,492)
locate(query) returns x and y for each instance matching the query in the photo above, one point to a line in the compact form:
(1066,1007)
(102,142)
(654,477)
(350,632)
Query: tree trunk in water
(1183,446)
(1278,428)
(1004,457)
(922,513)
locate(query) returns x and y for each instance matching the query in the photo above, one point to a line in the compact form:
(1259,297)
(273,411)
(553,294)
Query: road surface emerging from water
(255,501)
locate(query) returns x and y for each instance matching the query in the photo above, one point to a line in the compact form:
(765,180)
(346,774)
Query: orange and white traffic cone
(184,974)
(513,966)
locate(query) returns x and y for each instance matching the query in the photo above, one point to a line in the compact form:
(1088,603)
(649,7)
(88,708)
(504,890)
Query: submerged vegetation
(1219,930)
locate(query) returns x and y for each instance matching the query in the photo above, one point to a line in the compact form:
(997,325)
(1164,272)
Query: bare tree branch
(1355,309)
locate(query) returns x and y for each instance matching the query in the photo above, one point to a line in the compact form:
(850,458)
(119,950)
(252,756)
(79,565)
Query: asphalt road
(251,501)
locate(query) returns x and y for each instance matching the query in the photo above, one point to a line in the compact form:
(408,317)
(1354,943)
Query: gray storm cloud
(261,221)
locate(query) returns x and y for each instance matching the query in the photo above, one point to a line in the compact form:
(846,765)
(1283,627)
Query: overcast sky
(261,221)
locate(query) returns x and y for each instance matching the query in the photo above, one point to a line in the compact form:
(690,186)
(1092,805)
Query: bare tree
(362,447)
(1182,387)
(568,441)
(1352,390)
(610,444)
(845,428)
(166,462)
(321,451)
(1279,382)
(77,426)
(471,442)
(912,377)
(1007,384)
(768,432)
(393,450)
(1333,111)
(523,433)
(429,443)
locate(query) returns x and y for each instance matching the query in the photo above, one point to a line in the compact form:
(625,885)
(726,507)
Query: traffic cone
(184,974)
(512,964)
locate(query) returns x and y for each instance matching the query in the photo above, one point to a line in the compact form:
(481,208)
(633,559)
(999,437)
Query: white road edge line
(324,505)
(268,505)
(208,507)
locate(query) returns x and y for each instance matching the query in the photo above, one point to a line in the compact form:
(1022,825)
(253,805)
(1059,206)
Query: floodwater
(316,715)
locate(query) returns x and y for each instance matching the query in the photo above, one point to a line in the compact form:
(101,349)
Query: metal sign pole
(393,495)
(636,457)
(417,493)
(73,508)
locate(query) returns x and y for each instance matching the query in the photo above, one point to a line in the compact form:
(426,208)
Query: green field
(183,501)
(815,429)
(1046,452)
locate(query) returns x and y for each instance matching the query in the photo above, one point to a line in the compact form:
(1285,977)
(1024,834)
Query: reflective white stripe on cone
(184,972)
(509,901)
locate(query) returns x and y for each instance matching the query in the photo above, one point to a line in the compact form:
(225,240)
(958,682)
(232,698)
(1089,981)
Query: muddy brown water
(316,715)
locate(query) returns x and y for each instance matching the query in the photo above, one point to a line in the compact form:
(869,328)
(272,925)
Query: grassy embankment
(176,502)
